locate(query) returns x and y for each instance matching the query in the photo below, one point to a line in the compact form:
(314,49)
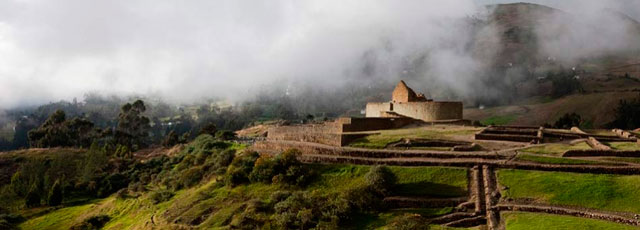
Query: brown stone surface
(402,93)
(405,102)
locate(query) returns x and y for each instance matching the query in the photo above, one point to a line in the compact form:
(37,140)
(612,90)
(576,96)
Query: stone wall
(430,111)
(328,133)
(426,111)
(375,109)
(353,124)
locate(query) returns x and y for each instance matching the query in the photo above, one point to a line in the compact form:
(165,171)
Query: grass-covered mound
(540,221)
(385,137)
(597,191)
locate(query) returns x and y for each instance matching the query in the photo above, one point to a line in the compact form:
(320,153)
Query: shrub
(380,179)
(55,194)
(191,177)
(284,168)
(263,170)
(171,139)
(225,135)
(363,199)
(627,114)
(210,128)
(240,168)
(160,196)
(33,196)
(568,120)
(92,223)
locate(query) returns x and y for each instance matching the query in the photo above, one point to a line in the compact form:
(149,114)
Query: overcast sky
(185,50)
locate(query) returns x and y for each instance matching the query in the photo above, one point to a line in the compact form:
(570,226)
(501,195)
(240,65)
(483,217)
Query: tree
(55,194)
(171,139)
(564,83)
(568,120)
(210,128)
(133,127)
(33,196)
(58,131)
(627,114)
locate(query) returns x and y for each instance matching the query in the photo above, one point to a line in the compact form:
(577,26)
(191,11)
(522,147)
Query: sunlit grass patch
(597,191)
(541,221)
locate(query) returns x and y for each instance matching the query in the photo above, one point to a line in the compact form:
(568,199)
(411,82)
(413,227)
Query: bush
(92,223)
(191,177)
(380,179)
(33,196)
(627,114)
(55,194)
(240,168)
(160,196)
(284,168)
(225,135)
(567,121)
(263,170)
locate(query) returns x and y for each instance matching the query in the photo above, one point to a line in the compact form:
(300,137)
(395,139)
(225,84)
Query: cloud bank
(183,51)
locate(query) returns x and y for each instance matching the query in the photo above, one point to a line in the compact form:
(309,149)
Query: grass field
(556,149)
(597,191)
(386,137)
(624,145)
(499,120)
(539,221)
(554,160)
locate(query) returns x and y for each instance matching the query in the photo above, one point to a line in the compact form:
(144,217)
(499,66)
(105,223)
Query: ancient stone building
(407,103)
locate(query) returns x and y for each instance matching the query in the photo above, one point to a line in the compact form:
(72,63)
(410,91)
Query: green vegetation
(555,148)
(627,114)
(606,192)
(554,160)
(624,145)
(499,120)
(191,188)
(431,181)
(539,221)
(385,137)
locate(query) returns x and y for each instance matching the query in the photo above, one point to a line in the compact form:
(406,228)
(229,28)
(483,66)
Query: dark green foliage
(133,127)
(191,177)
(307,210)
(57,131)
(111,184)
(171,139)
(564,82)
(210,128)
(161,195)
(284,168)
(567,121)
(10,221)
(380,179)
(363,199)
(409,222)
(54,197)
(32,198)
(627,114)
(92,223)
(225,135)
(240,168)
(95,161)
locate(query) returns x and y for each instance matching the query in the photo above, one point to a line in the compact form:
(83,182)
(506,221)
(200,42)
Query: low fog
(189,50)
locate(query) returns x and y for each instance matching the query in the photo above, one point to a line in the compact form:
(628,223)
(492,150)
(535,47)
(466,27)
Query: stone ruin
(407,103)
